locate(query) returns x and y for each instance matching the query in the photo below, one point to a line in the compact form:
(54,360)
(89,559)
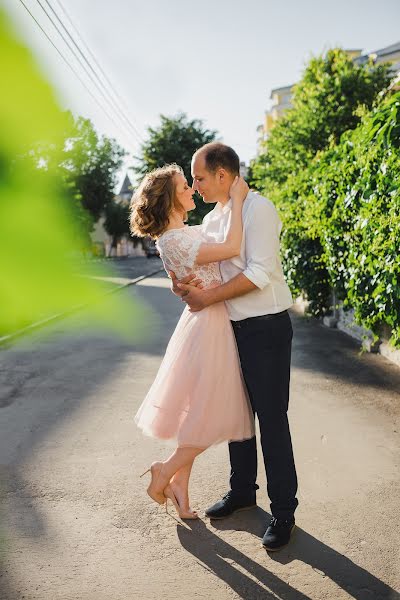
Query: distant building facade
(390,54)
(243,169)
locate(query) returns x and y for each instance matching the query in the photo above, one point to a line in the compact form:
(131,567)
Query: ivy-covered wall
(340,202)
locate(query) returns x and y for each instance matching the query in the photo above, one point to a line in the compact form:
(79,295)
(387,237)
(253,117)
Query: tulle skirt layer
(198,397)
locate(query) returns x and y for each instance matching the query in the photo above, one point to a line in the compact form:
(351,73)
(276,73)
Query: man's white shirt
(259,258)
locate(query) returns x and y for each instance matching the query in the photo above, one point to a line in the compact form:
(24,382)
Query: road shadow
(25,518)
(317,348)
(214,553)
(44,379)
(227,563)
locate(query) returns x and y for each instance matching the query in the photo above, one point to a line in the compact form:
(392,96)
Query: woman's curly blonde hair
(153,202)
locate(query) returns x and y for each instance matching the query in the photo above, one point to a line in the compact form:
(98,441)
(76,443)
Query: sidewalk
(79,526)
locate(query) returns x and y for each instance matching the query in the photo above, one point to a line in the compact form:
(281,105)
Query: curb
(38,324)
(363,336)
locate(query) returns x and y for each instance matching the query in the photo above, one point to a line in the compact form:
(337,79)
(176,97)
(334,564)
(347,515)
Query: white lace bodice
(178,250)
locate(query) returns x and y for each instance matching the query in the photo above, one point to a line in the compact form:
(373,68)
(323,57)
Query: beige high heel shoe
(183,514)
(155,471)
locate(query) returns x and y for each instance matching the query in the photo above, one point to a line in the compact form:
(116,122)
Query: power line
(72,68)
(114,103)
(110,104)
(110,84)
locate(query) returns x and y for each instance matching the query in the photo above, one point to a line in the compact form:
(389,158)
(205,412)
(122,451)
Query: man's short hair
(218,155)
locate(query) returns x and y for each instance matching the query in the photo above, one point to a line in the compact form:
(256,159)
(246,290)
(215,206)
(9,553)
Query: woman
(198,397)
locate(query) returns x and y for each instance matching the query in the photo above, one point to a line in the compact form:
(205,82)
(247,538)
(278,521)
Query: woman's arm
(231,245)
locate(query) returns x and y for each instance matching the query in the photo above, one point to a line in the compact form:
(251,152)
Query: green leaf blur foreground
(41,235)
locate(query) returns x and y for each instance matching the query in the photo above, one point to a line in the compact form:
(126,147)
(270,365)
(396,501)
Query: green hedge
(342,222)
(331,166)
(359,198)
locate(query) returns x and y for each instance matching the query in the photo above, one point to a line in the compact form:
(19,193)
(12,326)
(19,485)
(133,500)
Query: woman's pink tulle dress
(198,397)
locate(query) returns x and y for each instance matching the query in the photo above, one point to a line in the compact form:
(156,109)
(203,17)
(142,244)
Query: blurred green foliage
(331,166)
(44,221)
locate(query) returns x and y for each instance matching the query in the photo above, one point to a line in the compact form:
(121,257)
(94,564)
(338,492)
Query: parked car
(150,248)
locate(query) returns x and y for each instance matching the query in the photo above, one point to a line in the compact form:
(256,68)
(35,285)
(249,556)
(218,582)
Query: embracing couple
(229,356)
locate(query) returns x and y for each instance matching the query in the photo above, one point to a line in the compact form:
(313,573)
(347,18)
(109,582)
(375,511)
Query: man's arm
(199,299)
(191,280)
(262,250)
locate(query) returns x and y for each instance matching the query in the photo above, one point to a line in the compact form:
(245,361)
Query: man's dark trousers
(264,345)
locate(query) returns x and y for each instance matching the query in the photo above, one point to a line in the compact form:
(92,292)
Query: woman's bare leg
(181,457)
(180,486)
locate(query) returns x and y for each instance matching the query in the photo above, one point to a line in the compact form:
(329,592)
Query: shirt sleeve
(179,252)
(262,231)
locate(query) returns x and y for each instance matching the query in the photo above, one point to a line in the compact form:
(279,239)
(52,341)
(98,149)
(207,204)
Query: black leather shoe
(229,505)
(278,534)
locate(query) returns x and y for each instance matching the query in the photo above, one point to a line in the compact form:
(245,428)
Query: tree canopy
(174,141)
(331,165)
(84,165)
(91,163)
(326,102)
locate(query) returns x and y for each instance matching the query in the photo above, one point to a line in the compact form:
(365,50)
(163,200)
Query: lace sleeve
(178,252)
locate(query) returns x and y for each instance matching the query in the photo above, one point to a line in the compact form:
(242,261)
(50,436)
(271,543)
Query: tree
(175,141)
(330,100)
(92,163)
(356,215)
(85,165)
(117,221)
(326,103)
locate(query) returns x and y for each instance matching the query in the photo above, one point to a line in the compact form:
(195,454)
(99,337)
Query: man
(257,298)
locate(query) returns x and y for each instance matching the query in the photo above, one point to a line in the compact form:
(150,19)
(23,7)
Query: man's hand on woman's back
(189,280)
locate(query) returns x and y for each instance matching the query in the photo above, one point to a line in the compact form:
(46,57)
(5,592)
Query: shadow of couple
(252,581)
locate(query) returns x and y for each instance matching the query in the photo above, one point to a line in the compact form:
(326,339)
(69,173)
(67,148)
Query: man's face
(211,186)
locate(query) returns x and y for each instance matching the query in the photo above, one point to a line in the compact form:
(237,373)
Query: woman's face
(184,193)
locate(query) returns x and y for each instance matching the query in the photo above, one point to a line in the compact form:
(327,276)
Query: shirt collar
(224,208)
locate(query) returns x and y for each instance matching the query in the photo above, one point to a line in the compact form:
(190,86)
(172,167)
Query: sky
(215,60)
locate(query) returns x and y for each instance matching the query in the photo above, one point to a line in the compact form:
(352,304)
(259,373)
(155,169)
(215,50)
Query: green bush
(335,182)
(360,224)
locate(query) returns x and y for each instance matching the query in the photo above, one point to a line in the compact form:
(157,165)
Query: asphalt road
(76,521)
(124,267)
